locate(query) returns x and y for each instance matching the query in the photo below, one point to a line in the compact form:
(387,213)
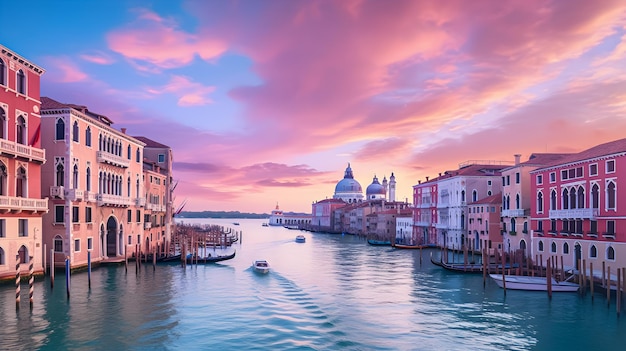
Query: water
(332,292)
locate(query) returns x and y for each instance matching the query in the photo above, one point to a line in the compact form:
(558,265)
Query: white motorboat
(261,266)
(516,282)
(300,238)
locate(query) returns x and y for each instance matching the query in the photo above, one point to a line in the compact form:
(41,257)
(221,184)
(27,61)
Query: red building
(21,157)
(576,211)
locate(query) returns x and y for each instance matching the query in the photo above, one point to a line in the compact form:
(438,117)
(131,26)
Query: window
(1,249)
(20,136)
(540,246)
(610,166)
(610,253)
(610,196)
(128,152)
(508,180)
(162,159)
(540,226)
(610,227)
(58,244)
(22,229)
(539,179)
(88,179)
(75,217)
(593,169)
(553,225)
(88,136)
(517,202)
(60,130)
(75,131)
(517,178)
(593,227)
(564,175)
(552,177)
(75,177)
(593,251)
(3,179)
(565,248)
(21,82)
(58,214)
(129,216)
(138,217)
(138,155)
(130,239)
(3,232)
(540,202)
(60,174)
(3,73)
(474,195)
(88,214)
(462,195)
(76,245)
(21,183)
(553,248)
(89,243)
(595,196)
(3,123)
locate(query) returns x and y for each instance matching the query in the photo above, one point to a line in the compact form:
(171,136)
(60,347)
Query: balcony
(74,194)
(147,225)
(422,224)
(89,196)
(105,157)
(608,236)
(58,192)
(575,213)
(112,200)
(19,204)
(13,149)
(140,201)
(512,232)
(513,213)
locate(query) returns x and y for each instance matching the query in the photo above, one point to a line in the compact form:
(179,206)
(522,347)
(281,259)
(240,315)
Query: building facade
(21,159)
(94,177)
(483,227)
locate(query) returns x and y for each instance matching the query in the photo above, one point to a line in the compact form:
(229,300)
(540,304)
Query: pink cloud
(188,92)
(64,70)
(159,43)
(99,58)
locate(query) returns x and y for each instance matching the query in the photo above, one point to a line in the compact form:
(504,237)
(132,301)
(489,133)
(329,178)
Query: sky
(266,102)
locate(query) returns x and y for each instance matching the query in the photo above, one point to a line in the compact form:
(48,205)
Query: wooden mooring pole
(17,281)
(31,280)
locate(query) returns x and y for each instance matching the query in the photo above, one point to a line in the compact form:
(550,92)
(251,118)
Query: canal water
(332,292)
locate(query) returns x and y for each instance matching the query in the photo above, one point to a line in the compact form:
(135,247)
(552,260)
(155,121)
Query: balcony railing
(113,200)
(581,213)
(74,194)
(105,157)
(24,151)
(90,196)
(519,212)
(57,191)
(422,224)
(147,225)
(140,201)
(19,204)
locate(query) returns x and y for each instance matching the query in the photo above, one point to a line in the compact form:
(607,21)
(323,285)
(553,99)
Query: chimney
(124,130)
(440,174)
(517,157)
(426,178)
(419,181)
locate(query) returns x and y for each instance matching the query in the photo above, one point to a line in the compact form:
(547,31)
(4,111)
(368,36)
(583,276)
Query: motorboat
(261,266)
(300,238)
(517,282)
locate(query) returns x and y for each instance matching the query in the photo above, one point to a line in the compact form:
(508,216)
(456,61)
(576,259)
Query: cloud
(159,43)
(98,57)
(189,93)
(64,70)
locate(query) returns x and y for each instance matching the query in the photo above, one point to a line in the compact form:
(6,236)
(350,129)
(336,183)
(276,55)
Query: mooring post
(17,281)
(31,280)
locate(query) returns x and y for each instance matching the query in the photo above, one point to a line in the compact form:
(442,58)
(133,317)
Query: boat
(210,258)
(518,282)
(470,267)
(375,242)
(291,226)
(300,238)
(236,223)
(409,247)
(265,225)
(261,266)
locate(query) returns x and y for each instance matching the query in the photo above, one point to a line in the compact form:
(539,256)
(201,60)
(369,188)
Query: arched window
(88,136)
(572,198)
(100,143)
(513,224)
(75,131)
(540,202)
(525,230)
(137,188)
(565,199)
(580,196)
(595,196)
(20,133)
(610,253)
(60,129)
(139,157)
(349,200)
(553,247)
(610,195)
(462,195)
(3,123)
(508,202)
(517,204)
(553,200)
(21,82)
(474,196)
(1,249)
(565,248)
(593,251)
(58,244)
(540,246)
(20,183)
(88,179)
(128,152)
(60,174)
(75,177)
(3,73)
(3,179)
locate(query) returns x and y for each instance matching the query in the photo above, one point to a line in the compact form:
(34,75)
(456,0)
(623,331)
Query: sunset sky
(266,102)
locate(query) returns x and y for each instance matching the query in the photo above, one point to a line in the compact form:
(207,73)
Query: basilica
(350,211)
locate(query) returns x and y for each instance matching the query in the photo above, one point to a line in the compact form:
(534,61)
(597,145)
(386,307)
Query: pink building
(484,223)
(322,215)
(425,211)
(576,211)
(94,177)
(21,158)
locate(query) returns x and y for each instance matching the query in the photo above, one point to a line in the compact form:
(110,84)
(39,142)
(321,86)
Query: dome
(348,189)
(375,189)
(347,185)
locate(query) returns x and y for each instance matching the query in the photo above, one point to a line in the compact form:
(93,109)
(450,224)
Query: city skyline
(267,102)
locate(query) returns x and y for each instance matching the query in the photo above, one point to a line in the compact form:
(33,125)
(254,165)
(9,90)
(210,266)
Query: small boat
(374,242)
(265,225)
(300,238)
(409,247)
(210,259)
(517,282)
(236,223)
(291,226)
(261,266)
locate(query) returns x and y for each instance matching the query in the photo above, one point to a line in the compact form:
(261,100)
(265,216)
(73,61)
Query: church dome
(348,189)
(375,190)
